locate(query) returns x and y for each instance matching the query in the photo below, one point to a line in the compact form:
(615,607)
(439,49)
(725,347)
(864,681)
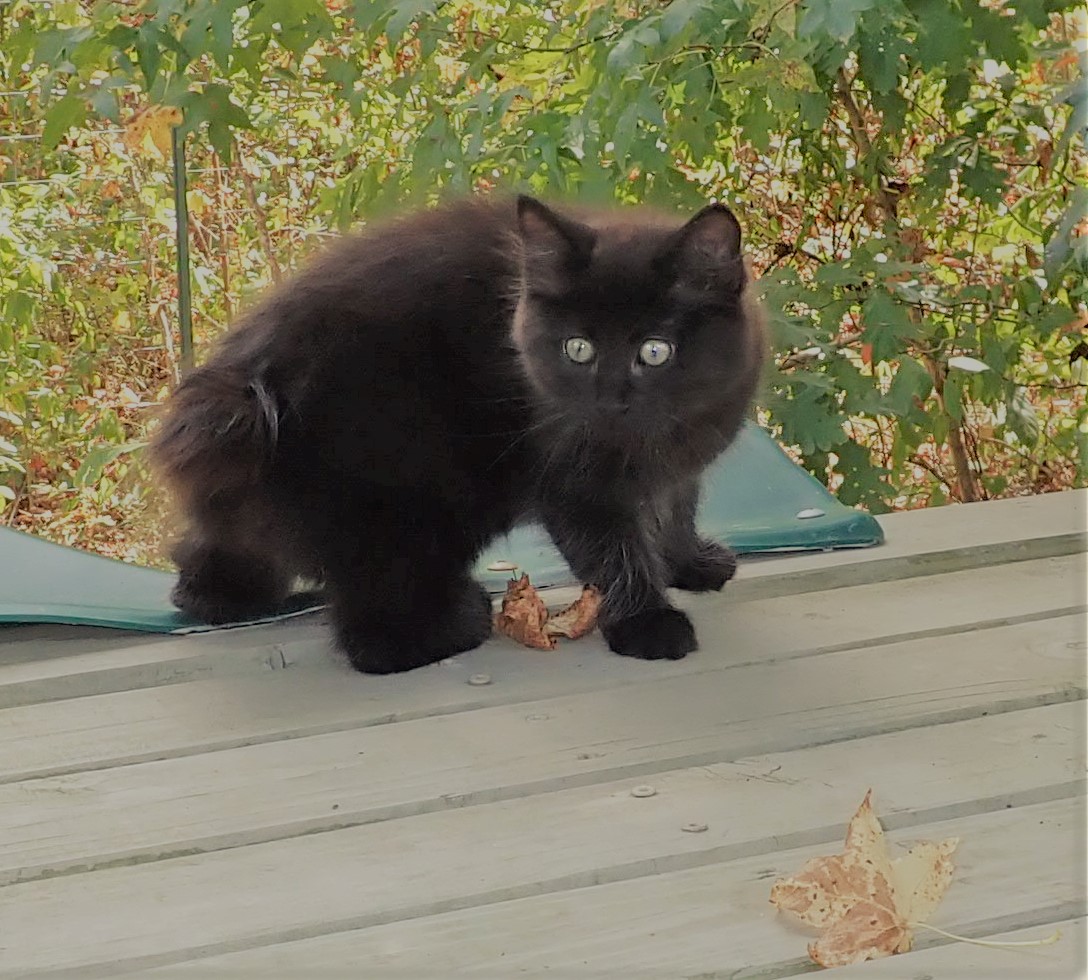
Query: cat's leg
(222,581)
(609,546)
(400,590)
(695,564)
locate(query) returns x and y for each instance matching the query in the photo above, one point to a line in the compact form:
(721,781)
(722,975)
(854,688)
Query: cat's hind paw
(707,570)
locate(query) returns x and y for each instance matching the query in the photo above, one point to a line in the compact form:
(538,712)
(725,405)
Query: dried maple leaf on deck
(523,615)
(865,903)
(525,618)
(579,618)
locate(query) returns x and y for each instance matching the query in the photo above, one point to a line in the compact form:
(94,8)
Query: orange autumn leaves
(148,133)
(526,619)
(866,904)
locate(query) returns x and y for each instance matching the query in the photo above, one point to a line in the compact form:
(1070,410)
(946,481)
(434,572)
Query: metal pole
(181,217)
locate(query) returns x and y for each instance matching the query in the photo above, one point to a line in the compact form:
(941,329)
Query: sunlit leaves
(910,389)
(399,15)
(836,18)
(888,325)
(64,114)
(944,37)
(809,117)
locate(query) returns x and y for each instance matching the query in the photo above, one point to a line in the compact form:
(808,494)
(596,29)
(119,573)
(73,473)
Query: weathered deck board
(478,855)
(1064,960)
(282,789)
(711,922)
(938,541)
(240,804)
(130,726)
(666,921)
(943,539)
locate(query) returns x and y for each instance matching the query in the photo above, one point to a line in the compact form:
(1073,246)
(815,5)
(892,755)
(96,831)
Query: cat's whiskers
(524,434)
(704,424)
(560,449)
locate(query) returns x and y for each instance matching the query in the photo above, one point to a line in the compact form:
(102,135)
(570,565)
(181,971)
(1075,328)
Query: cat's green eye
(655,352)
(579,350)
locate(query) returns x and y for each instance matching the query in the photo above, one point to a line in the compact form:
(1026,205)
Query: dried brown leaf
(523,615)
(579,618)
(865,903)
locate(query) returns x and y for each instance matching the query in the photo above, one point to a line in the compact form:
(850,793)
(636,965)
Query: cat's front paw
(393,646)
(655,634)
(707,570)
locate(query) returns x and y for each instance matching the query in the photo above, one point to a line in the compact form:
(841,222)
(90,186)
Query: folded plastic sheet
(755,498)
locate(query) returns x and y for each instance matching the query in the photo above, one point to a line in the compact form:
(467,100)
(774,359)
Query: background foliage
(907,172)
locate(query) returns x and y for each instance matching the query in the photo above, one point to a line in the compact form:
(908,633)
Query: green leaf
(953,397)
(812,421)
(862,482)
(148,50)
(63,115)
(796,75)
(758,123)
(211,30)
(887,324)
(911,386)
(1077,126)
(997,33)
(55,47)
(623,55)
(90,470)
(881,59)
(836,18)
(679,14)
(103,98)
(985,182)
(1081,455)
(367,13)
(1059,245)
(1023,418)
(944,39)
(839,274)
(214,107)
(404,13)
(624,133)
(342,74)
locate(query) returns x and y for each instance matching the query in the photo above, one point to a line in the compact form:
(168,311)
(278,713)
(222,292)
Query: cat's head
(634,325)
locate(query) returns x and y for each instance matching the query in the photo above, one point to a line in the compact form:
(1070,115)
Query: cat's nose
(613,409)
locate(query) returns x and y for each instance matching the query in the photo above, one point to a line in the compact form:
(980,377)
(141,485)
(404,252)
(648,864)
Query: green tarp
(755,499)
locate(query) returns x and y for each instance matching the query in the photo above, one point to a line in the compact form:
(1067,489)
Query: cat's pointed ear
(706,252)
(553,246)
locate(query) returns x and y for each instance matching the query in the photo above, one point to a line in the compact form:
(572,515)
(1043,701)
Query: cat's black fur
(377,420)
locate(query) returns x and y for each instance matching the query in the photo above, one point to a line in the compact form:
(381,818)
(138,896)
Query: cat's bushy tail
(217,434)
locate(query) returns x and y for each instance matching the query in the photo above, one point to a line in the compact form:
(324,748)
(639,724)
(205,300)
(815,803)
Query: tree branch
(260,219)
(885,198)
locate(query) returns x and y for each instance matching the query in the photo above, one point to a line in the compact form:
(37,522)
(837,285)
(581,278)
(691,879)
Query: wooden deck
(240,804)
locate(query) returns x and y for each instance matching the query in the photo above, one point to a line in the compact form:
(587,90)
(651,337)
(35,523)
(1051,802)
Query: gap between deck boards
(1037,919)
(522,696)
(905,689)
(782,854)
(802,628)
(174,660)
(150,839)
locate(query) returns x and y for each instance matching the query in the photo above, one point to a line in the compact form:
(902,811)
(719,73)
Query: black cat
(426,385)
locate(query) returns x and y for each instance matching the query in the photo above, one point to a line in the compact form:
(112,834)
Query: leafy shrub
(906,170)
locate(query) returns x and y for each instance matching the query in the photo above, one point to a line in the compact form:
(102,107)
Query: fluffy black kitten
(426,385)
